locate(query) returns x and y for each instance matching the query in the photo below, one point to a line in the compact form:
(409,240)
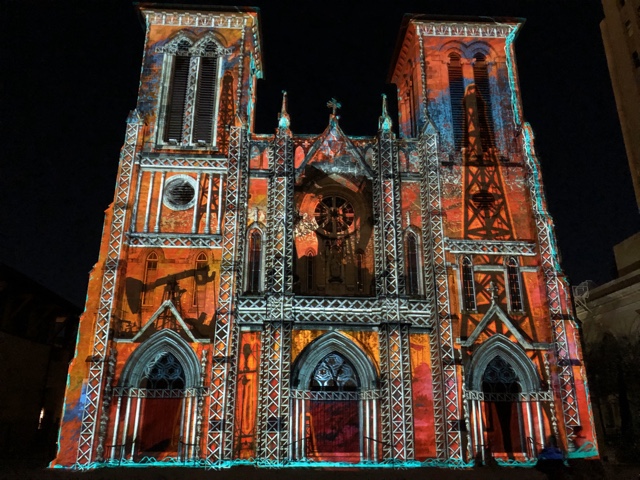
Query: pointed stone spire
(384,122)
(283,117)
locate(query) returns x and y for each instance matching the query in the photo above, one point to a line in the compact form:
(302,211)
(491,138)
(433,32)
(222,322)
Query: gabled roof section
(334,153)
(167,304)
(495,312)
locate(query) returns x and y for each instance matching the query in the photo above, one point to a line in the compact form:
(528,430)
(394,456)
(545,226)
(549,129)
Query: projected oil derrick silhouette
(284,300)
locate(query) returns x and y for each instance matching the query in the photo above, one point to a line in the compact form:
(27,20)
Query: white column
(481,430)
(115,429)
(148,206)
(136,203)
(156,228)
(474,426)
(523,438)
(540,423)
(196,203)
(135,425)
(219,221)
(531,432)
(125,427)
(207,221)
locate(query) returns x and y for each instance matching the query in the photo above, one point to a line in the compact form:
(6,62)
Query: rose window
(334,215)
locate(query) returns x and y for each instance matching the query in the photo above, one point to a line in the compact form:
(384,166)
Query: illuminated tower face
(283,298)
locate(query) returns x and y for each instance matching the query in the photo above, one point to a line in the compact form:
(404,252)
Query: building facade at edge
(288,298)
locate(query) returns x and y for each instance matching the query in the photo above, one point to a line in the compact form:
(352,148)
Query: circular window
(334,215)
(179,192)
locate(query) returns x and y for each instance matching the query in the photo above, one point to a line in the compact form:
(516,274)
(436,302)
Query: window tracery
(193,72)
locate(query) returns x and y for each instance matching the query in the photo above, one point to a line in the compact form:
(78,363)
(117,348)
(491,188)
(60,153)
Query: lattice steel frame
(446,400)
(560,310)
(275,361)
(94,387)
(225,341)
(395,360)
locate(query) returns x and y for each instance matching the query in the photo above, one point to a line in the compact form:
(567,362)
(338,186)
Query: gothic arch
(199,48)
(322,346)
(499,345)
(161,342)
(178,43)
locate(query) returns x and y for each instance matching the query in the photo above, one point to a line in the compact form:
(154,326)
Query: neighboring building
(284,299)
(610,315)
(37,340)
(621,36)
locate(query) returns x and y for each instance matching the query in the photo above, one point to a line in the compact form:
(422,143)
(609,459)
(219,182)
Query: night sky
(70,74)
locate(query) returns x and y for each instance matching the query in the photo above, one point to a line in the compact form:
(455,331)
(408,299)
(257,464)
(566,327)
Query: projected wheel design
(334,215)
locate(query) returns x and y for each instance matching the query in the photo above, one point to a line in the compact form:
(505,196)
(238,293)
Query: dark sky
(70,74)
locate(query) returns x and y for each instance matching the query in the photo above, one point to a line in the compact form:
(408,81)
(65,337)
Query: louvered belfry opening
(206,100)
(175,109)
(456,97)
(483,100)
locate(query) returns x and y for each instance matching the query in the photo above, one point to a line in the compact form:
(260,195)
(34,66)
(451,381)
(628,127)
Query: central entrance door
(334,411)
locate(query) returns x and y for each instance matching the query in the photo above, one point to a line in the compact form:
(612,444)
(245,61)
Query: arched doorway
(503,424)
(334,403)
(505,402)
(156,401)
(161,419)
(334,419)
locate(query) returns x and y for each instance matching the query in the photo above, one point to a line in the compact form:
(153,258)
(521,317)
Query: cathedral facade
(322,299)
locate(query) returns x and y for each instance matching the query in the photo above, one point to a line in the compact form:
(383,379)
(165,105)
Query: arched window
(193,80)
(468,285)
(513,280)
(412,265)
(456,98)
(334,373)
(177,93)
(483,100)
(150,276)
(206,95)
(310,261)
(164,373)
(201,275)
(254,263)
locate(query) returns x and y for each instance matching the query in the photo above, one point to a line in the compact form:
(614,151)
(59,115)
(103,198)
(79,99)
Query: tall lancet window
(254,263)
(150,277)
(177,93)
(191,101)
(468,285)
(513,279)
(201,275)
(206,96)
(456,98)
(483,100)
(412,265)
(310,260)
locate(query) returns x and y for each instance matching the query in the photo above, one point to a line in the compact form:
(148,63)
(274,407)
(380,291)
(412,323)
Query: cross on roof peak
(334,105)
